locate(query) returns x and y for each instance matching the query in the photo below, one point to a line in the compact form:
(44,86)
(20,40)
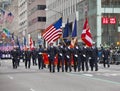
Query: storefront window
(109,3)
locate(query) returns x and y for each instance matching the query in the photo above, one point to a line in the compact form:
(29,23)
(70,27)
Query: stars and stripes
(10,17)
(6,16)
(53,32)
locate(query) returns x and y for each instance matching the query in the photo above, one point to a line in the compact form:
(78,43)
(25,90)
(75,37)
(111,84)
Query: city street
(21,79)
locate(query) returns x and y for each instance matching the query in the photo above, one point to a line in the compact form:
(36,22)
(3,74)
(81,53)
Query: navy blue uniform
(40,58)
(51,55)
(77,53)
(60,52)
(34,56)
(27,59)
(93,55)
(84,58)
(14,54)
(68,53)
(105,55)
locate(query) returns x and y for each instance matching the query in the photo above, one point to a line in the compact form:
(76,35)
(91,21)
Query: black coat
(15,54)
(51,53)
(39,53)
(93,52)
(105,53)
(28,55)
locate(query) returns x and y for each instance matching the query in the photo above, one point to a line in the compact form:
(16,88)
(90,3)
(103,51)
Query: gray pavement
(21,79)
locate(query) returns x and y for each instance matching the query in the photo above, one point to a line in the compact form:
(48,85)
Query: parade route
(21,79)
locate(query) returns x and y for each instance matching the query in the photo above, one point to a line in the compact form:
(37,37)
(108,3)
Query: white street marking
(32,89)
(10,77)
(90,75)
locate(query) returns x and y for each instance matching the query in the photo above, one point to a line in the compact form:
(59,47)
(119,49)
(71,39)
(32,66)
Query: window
(41,7)
(42,19)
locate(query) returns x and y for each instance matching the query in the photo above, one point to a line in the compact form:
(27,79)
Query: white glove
(68,56)
(40,53)
(84,55)
(89,57)
(76,55)
(60,54)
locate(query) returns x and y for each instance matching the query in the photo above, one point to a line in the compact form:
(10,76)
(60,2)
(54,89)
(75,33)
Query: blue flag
(66,30)
(18,43)
(74,33)
(25,42)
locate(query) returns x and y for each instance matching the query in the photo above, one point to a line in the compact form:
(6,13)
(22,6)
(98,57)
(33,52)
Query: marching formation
(61,58)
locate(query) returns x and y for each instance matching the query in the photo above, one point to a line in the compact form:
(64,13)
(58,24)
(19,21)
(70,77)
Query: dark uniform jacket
(27,55)
(77,52)
(51,52)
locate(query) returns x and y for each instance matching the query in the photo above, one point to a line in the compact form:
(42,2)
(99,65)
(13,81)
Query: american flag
(10,17)
(53,32)
(4,14)
(86,34)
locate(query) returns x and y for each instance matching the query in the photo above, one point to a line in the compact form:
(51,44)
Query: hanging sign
(112,20)
(105,20)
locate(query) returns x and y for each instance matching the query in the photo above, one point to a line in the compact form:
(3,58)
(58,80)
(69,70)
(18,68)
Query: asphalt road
(21,79)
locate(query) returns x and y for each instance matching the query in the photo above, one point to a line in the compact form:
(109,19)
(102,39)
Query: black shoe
(96,69)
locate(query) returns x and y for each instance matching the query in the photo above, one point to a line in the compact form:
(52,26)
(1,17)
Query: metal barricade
(117,59)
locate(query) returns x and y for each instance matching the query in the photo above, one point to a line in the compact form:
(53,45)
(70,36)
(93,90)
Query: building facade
(103,18)
(36,19)
(23,19)
(96,11)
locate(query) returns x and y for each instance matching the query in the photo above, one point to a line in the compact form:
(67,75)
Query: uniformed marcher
(23,55)
(60,52)
(27,58)
(51,55)
(34,56)
(93,56)
(105,56)
(19,54)
(14,57)
(40,57)
(77,53)
(84,58)
(68,53)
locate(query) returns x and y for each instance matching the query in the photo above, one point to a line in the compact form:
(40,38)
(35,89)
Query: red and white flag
(31,43)
(86,34)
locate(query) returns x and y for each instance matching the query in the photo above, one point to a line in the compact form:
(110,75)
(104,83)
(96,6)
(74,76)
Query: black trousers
(84,64)
(60,64)
(27,63)
(15,63)
(93,63)
(51,65)
(68,64)
(106,62)
(40,63)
